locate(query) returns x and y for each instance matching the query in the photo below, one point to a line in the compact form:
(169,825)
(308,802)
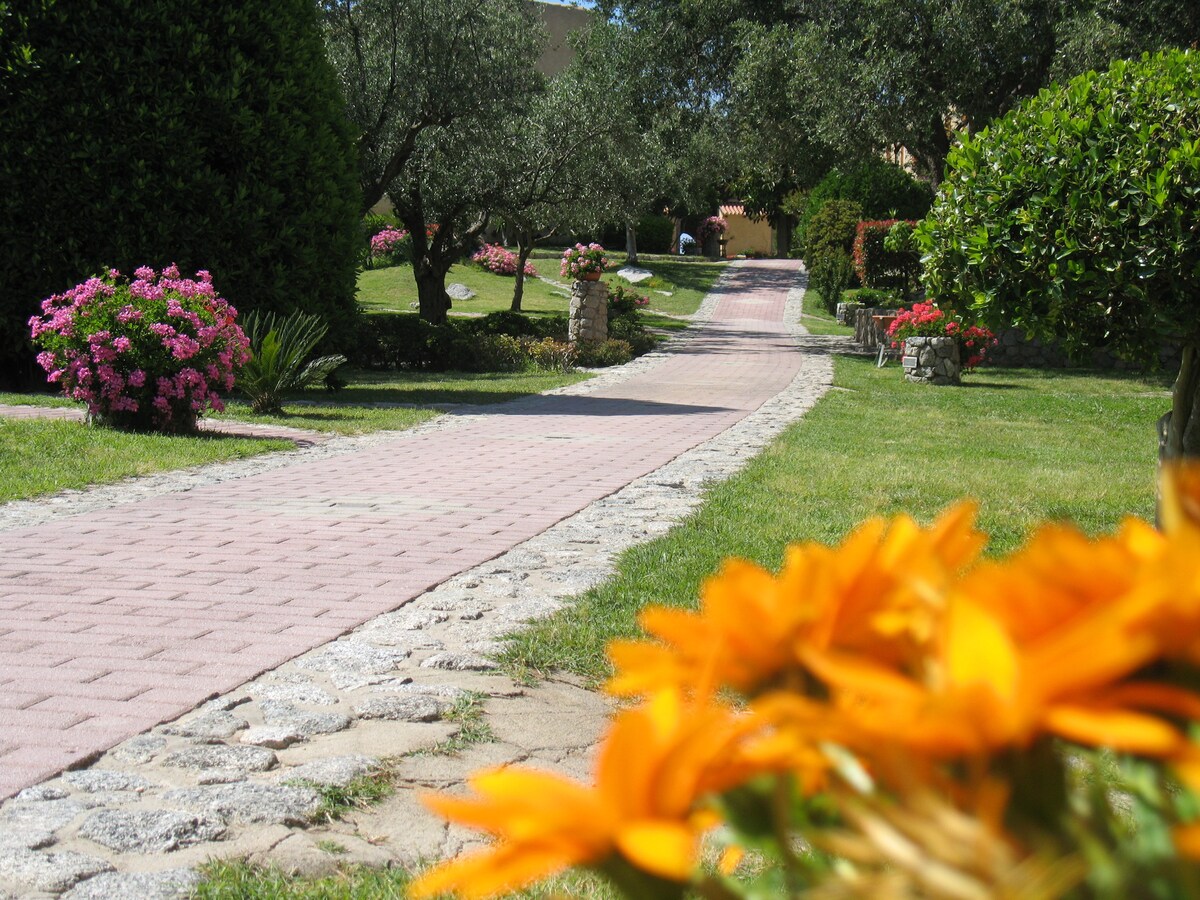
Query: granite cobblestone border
(244,774)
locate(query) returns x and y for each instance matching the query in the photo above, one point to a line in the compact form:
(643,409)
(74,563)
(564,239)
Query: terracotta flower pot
(590,276)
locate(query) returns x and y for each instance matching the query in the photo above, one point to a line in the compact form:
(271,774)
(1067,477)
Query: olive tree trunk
(524,248)
(631,256)
(432,299)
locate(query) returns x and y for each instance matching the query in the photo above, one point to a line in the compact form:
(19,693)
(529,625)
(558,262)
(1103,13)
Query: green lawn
(817,320)
(687,280)
(393,290)
(1029,445)
(240,881)
(43,456)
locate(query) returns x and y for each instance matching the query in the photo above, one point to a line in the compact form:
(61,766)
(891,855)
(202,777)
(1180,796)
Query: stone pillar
(589,312)
(931,360)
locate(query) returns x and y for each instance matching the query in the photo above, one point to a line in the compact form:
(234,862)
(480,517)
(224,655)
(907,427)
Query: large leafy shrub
(882,189)
(149,354)
(829,276)
(1077,216)
(211,134)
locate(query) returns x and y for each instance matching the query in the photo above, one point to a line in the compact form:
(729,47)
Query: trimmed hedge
(832,230)
(882,189)
(210,135)
(878,267)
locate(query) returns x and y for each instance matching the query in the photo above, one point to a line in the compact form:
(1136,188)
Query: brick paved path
(113,621)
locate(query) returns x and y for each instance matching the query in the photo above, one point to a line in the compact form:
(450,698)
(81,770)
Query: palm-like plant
(279,346)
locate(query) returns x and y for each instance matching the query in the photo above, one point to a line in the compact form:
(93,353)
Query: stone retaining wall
(1014,350)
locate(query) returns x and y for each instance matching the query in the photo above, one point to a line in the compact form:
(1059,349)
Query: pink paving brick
(114,620)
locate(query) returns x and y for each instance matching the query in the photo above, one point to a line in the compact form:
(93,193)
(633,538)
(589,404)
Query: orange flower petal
(666,849)
(1118,729)
(490,872)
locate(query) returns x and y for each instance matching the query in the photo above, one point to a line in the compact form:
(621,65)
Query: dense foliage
(883,191)
(207,134)
(1077,215)
(832,229)
(879,266)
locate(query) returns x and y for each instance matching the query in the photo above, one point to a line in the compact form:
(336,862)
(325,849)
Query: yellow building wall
(745,235)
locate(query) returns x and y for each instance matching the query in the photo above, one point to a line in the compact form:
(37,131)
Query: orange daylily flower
(655,766)
(876,593)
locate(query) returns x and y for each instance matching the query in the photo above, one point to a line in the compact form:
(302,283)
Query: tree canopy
(1077,216)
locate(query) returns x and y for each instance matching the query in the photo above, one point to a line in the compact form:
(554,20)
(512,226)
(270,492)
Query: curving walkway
(114,620)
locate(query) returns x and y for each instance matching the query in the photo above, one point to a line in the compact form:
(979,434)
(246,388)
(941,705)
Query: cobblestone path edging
(239,776)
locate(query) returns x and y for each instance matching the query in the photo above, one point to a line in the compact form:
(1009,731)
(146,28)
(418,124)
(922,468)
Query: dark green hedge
(883,190)
(159,131)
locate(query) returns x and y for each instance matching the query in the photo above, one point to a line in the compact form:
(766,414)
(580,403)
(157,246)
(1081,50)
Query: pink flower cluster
(582,260)
(713,225)
(387,241)
(499,261)
(927,320)
(151,353)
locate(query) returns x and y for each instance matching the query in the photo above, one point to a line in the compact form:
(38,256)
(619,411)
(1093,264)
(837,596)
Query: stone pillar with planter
(589,312)
(932,360)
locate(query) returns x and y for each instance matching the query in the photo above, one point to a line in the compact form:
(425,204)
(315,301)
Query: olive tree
(430,88)
(1077,216)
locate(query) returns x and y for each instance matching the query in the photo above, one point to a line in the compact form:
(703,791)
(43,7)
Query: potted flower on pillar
(938,347)
(583,262)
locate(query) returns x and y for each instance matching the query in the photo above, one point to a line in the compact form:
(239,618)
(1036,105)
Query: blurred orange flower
(878,593)
(655,766)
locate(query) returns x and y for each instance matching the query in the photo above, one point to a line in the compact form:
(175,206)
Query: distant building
(560,21)
(744,234)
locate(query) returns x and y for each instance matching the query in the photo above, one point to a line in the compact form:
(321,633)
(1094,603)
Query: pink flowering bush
(927,320)
(499,261)
(624,302)
(391,246)
(582,260)
(146,354)
(713,226)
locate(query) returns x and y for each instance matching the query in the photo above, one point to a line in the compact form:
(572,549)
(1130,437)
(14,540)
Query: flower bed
(146,354)
(499,261)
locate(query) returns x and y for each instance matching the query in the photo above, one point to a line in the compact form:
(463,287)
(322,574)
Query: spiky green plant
(280,345)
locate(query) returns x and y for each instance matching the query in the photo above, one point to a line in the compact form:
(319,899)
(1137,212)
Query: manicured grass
(36,399)
(393,290)
(349,410)
(1029,445)
(688,280)
(817,319)
(41,456)
(235,880)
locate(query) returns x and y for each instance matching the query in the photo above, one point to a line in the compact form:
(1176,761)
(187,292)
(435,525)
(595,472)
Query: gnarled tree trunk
(631,256)
(433,301)
(524,248)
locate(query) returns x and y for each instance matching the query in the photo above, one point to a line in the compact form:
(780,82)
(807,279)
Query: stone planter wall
(866,333)
(589,311)
(931,360)
(846,312)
